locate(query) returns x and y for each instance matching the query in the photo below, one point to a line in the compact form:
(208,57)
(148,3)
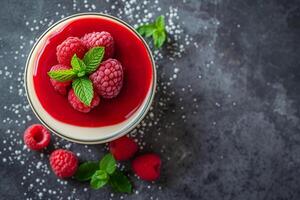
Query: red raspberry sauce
(129,50)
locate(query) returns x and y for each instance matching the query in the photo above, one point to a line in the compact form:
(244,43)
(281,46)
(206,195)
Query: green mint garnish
(86,170)
(62,75)
(147,30)
(81,84)
(103,173)
(156,29)
(93,58)
(99,179)
(83,89)
(77,64)
(120,182)
(108,164)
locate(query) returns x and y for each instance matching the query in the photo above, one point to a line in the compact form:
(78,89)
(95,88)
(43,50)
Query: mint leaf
(86,171)
(146,30)
(156,29)
(160,22)
(93,58)
(120,182)
(159,38)
(108,163)
(62,75)
(83,89)
(99,179)
(77,64)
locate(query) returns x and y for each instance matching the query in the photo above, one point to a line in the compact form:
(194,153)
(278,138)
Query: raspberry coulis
(129,50)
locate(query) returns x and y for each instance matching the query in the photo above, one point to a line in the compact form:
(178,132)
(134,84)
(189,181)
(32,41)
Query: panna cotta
(113,117)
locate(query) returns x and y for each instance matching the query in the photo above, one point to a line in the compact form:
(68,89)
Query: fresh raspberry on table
(123,148)
(66,50)
(36,137)
(103,39)
(108,79)
(60,87)
(64,163)
(147,166)
(79,106)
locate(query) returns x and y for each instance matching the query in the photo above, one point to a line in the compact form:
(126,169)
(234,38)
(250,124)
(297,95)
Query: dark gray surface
(227,127)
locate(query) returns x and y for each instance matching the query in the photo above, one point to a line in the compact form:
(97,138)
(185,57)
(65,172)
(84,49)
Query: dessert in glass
(113,114)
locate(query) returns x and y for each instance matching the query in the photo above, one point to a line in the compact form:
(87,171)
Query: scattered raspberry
(78,105)
(36,137)
(147,166)
(69,47)
(108,79)
(63,163)
(60,87)
(123,148)
(103,39)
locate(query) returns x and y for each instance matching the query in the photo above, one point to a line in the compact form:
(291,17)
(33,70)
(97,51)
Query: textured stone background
(225,118)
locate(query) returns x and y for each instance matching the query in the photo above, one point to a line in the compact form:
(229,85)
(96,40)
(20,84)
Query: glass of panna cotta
(114,117)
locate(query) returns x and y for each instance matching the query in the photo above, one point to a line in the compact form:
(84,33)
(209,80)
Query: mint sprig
(102,173)
(81,84)
(156,29)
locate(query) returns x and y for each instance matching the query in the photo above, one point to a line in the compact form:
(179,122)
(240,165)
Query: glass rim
(132,124)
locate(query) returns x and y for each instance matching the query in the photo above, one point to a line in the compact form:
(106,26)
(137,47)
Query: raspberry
(36,137)
(60,87)
(147,166)
(63,163)
(103,39)
(69,47)
(123,148)
(108,79)
(79,106)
